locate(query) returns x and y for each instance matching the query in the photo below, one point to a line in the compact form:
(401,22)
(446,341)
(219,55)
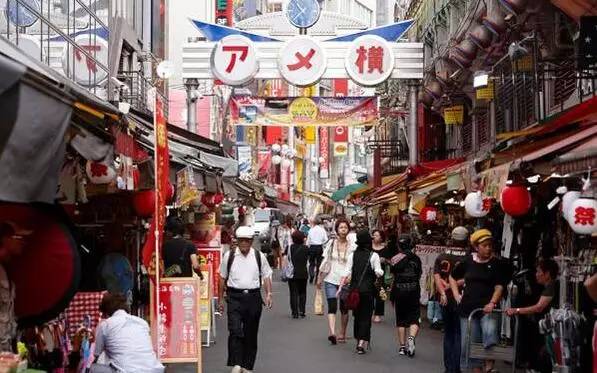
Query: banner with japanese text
(324,152)
(303,111)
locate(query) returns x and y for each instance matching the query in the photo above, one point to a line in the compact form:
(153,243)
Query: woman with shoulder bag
(333,267)
(362,269)
(297,284)
(379,246)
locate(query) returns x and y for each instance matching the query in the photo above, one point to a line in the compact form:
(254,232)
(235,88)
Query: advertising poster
(245,159)
(324,152)
(212,257)
(205,296)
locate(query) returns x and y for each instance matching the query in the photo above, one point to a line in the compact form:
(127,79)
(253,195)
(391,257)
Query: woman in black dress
(379,247)
(362,269)
(298,283)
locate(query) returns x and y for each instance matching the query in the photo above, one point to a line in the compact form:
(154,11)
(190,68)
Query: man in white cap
(243,270)
(444,265)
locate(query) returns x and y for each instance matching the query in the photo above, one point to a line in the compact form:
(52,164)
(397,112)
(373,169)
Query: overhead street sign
(407,61)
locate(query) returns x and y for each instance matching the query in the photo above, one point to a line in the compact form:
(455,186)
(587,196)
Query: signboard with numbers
(178,337)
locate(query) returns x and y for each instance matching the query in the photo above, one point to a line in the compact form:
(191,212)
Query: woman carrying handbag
(296,259)
(362,269)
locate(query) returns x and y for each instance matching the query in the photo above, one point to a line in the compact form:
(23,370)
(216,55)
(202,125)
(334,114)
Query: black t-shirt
(445,264)
(551,289)
(179,251)
(480,280)
(299,257)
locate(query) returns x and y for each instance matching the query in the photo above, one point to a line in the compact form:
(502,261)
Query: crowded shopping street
(298,186)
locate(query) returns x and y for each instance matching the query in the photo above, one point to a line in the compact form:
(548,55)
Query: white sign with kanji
(369,60)
(302,62)
(234,60)
(85,68)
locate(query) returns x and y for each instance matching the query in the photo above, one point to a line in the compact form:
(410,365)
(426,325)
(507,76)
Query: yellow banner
(486,93)
(298,172)
(454,114)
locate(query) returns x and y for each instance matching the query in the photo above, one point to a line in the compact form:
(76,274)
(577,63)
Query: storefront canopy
(344,192)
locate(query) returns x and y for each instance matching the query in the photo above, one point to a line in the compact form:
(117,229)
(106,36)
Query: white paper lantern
(276,148)
(567,200)
(285,147)
(477,205)
(276,159)
(100,172)
(286,163)
(582,216)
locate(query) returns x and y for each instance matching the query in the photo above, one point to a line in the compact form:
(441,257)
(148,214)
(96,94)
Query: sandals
(341,339)
(333,340)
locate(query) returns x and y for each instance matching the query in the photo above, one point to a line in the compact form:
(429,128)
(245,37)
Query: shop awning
(321,197)
(287,207)
(229,165)
(344,192)
(581,159)
(577,8)
(560,145)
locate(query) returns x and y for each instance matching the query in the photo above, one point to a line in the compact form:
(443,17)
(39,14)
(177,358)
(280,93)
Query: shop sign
(234,60)
(177,338)
(454,114)
(186,189)
(211,257)
(302,61)
(341,134)
(205,297)
(340,149)
(85,70)
(486,93)
(369,60)
(303,110)
(324,152)
(245,159)
(162,167)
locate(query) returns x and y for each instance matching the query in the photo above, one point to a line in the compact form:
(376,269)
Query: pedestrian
(443,267)
(331,271)
(243,271)
(180,254)
(547,275)
(316,238)
(406,294)
(297,285)
(352,234)
(363,268)
(285,234)
(124,339)
(305,227)
(379,247)
(484,284)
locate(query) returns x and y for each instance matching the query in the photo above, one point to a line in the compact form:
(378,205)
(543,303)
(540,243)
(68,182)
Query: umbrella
(47,271)
(344,192)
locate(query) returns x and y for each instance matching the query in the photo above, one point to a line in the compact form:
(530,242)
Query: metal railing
(139,92)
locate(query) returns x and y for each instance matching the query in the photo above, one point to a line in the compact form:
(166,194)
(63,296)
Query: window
(362,13)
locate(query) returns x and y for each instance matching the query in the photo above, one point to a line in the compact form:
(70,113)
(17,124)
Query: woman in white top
(333,267)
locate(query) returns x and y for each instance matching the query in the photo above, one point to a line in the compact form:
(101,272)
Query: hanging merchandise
(516,200)
(581,215)
(567,200)
(477,205)
(144,201)
(429,215)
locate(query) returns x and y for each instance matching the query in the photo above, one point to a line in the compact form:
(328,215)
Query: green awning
(344,192)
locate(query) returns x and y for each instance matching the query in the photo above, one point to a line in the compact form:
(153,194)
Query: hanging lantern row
(516,200)
(144,201)
(477,205)
(429,215)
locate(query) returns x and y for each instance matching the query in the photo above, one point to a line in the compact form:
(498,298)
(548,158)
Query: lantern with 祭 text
(567,200)
(477,205)
(516,200)
(101,172)
(429,215)
(582,216)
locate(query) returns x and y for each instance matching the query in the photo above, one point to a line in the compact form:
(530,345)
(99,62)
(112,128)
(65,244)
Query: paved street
(301,346)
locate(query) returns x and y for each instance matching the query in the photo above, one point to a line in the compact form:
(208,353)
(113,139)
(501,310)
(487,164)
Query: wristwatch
(518,311)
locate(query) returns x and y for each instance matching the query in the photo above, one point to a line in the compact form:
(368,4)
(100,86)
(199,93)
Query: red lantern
(144,203)
(428,215)
(516,200)
(218,198)
(208,200)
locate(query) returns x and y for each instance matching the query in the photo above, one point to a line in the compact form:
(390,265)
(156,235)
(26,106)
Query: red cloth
(83,304)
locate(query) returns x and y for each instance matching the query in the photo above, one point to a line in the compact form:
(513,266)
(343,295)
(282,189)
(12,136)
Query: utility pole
(413,155)
(192,85)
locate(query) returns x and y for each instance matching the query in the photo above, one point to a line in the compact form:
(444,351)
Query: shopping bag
(318,304)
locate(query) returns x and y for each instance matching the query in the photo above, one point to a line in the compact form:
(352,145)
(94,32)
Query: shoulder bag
(349,295)
(288,269)
(326,266)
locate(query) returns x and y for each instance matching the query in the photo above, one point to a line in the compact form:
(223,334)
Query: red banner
(213,257)
(340,87)
(324,152)
(178,336)
(264,163)
(341,134)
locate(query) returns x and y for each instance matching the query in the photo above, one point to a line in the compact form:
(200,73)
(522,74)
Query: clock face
(303,13)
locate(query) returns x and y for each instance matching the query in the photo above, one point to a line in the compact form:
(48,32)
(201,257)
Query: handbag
(288,269)
(349,295)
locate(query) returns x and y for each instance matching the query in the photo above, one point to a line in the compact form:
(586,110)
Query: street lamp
(192,85)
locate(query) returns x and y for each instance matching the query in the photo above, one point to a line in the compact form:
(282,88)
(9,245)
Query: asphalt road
(287,345)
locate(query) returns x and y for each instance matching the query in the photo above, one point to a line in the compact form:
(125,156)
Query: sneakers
(402,350)
(237,369)
(411,346)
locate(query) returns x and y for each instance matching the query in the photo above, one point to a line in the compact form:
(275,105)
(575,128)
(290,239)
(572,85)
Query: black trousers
(244,313)
(379,305)
(362,317)
(452,337)
(298,296)
(315,258)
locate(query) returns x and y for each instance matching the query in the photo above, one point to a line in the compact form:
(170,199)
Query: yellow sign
(454,114)
(486,93)
(298,172)
(303,109)
(310,135)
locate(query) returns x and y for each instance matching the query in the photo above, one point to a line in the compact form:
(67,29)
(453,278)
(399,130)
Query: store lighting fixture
(481,79)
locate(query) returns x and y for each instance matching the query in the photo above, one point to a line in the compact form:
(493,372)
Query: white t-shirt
(244,273)
(337,261)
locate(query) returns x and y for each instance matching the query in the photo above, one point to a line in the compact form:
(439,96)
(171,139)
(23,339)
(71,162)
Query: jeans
(298,296)
(452,341)
(330,294)
(483,330)
(434,311)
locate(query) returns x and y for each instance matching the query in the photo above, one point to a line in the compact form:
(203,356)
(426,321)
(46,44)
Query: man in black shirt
(444,265)
(180,255)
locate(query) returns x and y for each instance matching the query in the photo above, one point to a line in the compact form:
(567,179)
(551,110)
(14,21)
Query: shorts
(330,290)
(407,308)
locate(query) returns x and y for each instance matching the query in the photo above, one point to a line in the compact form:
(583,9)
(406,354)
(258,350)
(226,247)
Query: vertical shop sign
(212,256)
(176,316)
(245,159)
(324,152)
(162,169)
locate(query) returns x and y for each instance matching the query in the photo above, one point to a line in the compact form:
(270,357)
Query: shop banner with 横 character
(303,111)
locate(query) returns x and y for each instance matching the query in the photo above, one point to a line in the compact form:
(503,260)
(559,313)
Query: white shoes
(237,369)
(247,371)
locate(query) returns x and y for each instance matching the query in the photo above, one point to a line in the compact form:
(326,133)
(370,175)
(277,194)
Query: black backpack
(231,260)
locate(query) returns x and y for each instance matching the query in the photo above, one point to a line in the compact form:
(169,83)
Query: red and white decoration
(369,60)
(234,60)
(85,70)
(516,200)
(567,200)
(582,215)
(429,215)
(302,61)
(477,205)
(101,172)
